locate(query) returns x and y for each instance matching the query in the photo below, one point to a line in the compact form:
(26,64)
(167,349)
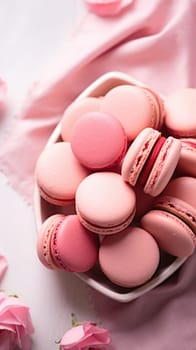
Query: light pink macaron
(187,160)
(105,204)
(180,118)
(172,220)
(63,243)
(75,111)
(151,160)
(130,258)
(98,140)
(135,107)
(58,174)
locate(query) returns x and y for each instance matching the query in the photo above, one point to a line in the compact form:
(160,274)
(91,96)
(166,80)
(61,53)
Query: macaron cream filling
(107,228)
(150,161)
(133,173)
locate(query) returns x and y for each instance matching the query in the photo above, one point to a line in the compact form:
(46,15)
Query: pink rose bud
(15,324)
(85,336)
(2,96)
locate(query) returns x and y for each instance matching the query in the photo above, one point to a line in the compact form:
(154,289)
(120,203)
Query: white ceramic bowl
(95,277)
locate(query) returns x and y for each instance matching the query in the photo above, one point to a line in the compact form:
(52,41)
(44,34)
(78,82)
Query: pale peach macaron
(130,258)
(180,118)
(63,243)
(74,111)
(172,219)
(58,174)
(105,204)
(135,107)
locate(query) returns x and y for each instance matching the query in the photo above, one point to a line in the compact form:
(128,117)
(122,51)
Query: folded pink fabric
(162,319)
(153,42)
(150,41)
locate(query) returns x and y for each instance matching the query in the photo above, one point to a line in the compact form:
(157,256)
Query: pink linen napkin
(154,42)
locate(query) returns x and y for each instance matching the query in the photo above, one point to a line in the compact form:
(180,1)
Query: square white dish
(43,209)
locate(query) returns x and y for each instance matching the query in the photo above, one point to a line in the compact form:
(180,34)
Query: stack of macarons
(126,164)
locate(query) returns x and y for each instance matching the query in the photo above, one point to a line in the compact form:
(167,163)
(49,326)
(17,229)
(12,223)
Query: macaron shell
(105,202)
(180,118)
(130,258)
(98,140)
(73,247)
(182,188)
(133,106)
(44,237)
(187,160)
(171,234)
(58,173)
(137,155)
(75,111)
(179,208)
(164,167)
(159,106)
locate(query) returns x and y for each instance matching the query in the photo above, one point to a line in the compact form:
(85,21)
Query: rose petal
(107,7)
(3,89)
(16,321)
(84,336)
(7,340)
(73,336)
(3,261)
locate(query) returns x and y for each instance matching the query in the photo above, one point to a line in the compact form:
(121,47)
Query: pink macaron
(63,243)
(187,160)
(105,204)
(75,111)
(58,174)
(130,258)
(172,220)
(180,118)
(135,107)
(98,140)
(151,160)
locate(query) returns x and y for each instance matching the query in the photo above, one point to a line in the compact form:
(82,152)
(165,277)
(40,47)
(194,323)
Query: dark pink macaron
(98,140)
(63,243)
